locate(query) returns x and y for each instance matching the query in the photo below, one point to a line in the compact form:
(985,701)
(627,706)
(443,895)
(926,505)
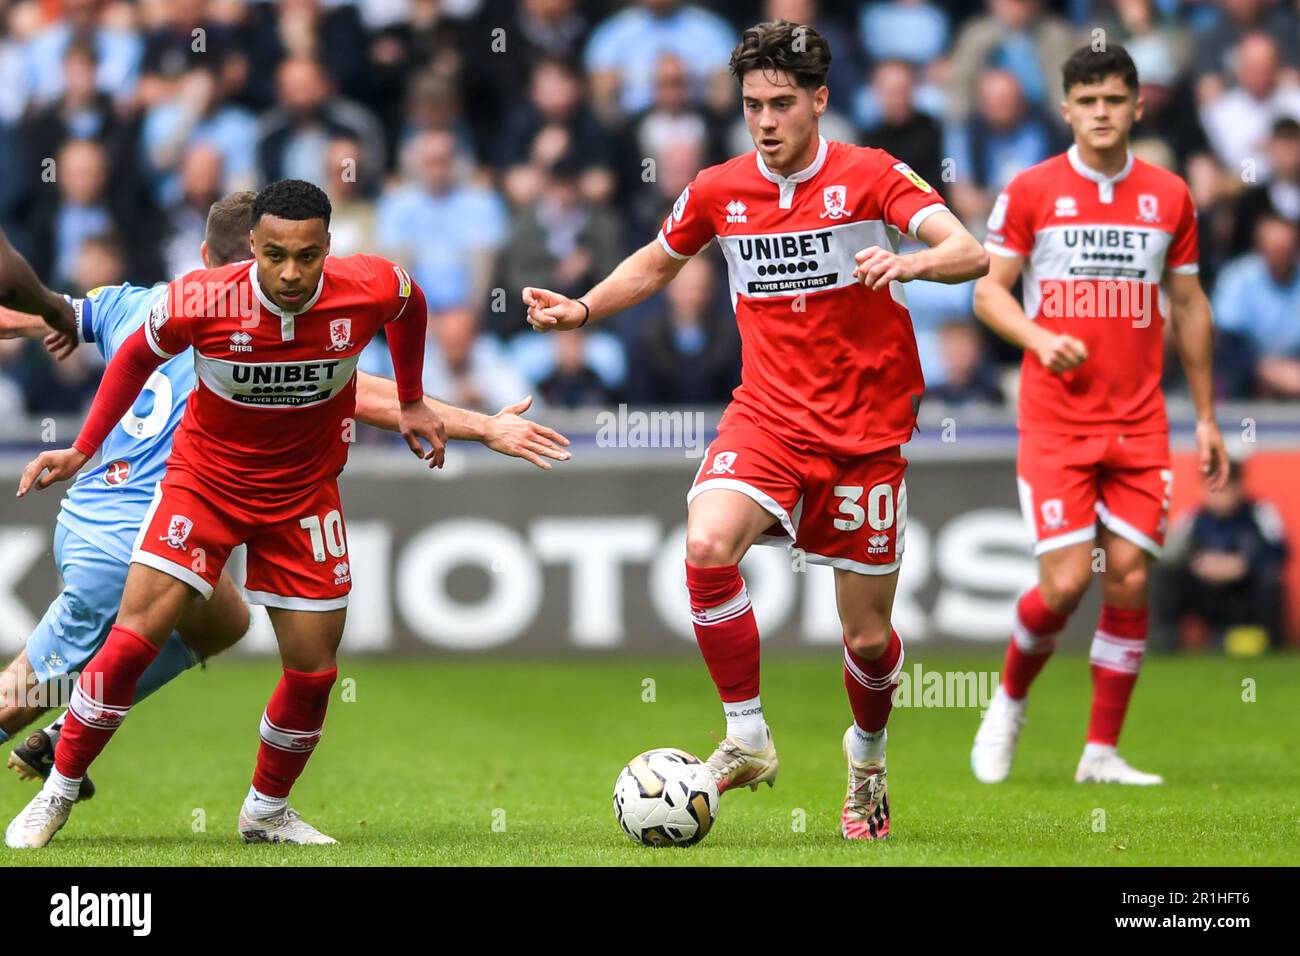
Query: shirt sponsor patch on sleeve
(403,283)
(159,314)
(998,217)
(910,174)
(679,207)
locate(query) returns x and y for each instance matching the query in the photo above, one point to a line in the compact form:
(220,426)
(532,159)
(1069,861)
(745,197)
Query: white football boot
(735,765)
(37,822)
(1109,767)
(865,814)
(287,826)
(995,741)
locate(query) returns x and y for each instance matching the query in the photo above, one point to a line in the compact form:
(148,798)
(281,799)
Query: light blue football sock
(175,658)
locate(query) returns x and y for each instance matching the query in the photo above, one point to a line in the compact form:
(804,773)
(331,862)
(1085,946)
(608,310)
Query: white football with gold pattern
(665,797)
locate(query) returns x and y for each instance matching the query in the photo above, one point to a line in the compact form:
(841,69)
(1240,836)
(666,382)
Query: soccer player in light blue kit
(104,509)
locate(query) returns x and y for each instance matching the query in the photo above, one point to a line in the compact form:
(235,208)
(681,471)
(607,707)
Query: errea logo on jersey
(736,211)
(241,341)
(878,544)
(1066,206)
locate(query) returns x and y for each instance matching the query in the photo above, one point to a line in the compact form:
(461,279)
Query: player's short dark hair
(226,234)
(783,46)
(1087,65)
(1284,127)
(294,199)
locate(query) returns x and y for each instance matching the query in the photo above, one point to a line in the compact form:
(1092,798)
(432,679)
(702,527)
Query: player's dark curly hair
(294,199)
(1087,65)
(781,45)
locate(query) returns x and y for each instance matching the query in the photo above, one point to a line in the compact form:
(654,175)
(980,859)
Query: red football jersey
(1096,250)
(270,413)
(826,363)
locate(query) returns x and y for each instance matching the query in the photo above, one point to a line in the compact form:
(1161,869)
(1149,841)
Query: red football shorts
(1070,482)
(297,551)
(849,512)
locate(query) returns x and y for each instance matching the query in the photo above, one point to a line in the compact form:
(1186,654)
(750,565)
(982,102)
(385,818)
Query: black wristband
(586,309)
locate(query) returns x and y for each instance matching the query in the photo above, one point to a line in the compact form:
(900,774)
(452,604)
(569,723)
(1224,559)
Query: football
(665,797)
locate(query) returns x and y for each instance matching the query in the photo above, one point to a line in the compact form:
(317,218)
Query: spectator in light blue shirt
(623,51)
(444,230)
(199,116)
(910,30)
(118,53)
(1001,138)
(1257,302)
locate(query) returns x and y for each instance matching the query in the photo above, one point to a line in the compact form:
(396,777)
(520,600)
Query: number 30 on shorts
(326,533)
(879,512)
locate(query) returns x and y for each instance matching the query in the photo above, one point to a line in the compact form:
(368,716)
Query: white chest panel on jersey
(275,384)
(786,264)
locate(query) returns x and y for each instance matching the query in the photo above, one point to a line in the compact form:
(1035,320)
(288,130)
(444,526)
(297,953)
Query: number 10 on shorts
(325,533)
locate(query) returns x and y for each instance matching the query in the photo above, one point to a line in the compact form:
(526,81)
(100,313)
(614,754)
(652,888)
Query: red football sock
(871,684)
(725,629)
(1033,638)
(1116,657)
(101,699)
(291,727)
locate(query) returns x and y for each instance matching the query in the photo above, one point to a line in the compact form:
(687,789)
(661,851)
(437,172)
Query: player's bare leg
(291,725)
(217,624)
(152,603)
(1041,614)
(873,657)
(18,705)
(1116,657)
(721,526)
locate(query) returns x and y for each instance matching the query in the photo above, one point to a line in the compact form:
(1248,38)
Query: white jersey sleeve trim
(663,241)
(1190,269)
(922,215)
(1002,251)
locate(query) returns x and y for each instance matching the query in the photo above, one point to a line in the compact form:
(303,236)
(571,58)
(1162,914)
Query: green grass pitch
(461,762)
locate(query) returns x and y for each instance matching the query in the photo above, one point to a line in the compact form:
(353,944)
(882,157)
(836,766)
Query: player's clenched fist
(48,467)
(1060,353)
(877,267)
(417,421)
(551,312)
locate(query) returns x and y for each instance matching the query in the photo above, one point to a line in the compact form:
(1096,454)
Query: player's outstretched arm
(1193,328)
(20,289)
(633,280)
(507,432)
(997,308)
(953,256)
(21,325)
(122,383)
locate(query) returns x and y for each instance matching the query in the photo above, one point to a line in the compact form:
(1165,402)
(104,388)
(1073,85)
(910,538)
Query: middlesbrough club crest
(833,198)
(340,335)
(117,473)
(178,529)
(723,463)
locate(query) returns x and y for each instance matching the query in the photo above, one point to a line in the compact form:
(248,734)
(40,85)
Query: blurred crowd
(493,144)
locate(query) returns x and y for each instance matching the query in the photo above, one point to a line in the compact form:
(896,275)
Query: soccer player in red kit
(807,454)
(254,461)
(1107,247)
